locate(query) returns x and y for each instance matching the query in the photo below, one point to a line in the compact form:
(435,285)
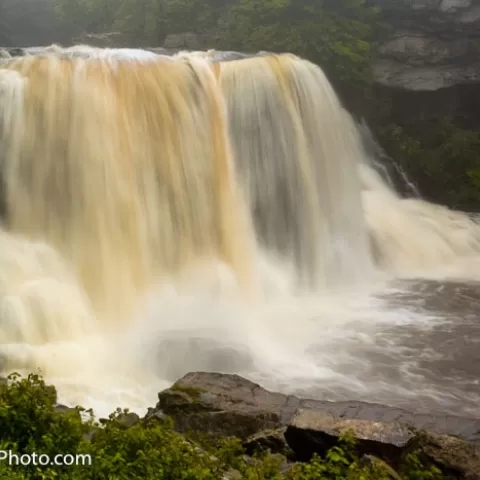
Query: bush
(29,423)
(445,162)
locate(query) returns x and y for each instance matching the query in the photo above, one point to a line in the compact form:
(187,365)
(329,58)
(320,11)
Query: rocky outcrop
(433,44)
(229,405)
(103,40)
(187,41)
(12,52)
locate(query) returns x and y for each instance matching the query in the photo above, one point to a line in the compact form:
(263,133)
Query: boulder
(103,40)
(60,408)
(187,40)
(452,455)
(13,52)
(229,405)
(203,409)
(312,431)
(127,420)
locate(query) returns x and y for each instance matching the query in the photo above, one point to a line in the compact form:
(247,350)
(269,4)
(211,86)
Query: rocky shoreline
(227,405)
(220,405)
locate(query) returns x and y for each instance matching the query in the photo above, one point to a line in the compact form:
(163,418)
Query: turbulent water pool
(424,355)
(415,345)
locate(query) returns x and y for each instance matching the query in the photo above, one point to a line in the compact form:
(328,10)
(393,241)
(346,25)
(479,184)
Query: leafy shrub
(445,162)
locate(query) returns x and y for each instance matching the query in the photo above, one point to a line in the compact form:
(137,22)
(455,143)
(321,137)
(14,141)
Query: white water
(344,344)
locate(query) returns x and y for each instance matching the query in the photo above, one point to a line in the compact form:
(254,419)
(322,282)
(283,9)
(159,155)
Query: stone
(187,40)
(434,44)
(273,441)
(372,461)
(128,420)
(452,455)
(294,428)
(312,432)
(208,411)
(207,397)
(60,408)
(153,414)
(103,40)
(16,52)
(232,474)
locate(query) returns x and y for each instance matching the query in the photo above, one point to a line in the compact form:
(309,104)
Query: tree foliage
(446,163)
(335,34)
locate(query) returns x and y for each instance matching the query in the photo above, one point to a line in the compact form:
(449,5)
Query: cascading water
(127,173)
(391,171)
(126,236)
(310,208)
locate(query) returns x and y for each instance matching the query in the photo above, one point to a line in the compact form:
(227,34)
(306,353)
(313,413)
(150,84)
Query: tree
(335,34)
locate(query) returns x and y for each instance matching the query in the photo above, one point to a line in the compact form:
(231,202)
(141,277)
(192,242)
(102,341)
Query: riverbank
(212,425)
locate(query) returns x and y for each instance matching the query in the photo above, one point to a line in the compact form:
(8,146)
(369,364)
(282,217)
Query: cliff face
(429,64)
(434,44)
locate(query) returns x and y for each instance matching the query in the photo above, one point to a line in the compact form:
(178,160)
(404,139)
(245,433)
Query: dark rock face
(187,41)
(103,40)
(12,52)
(434,44)
(230,405)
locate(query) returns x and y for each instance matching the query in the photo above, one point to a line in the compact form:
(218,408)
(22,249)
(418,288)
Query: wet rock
(103,40)
(128,420)
(153,414)
(268,440)
(371,461)
(208,411)
(454,457)
(312,432)
(232,474)
(208,395)
(229,405)
(190,41)
(17,52)
(59,408)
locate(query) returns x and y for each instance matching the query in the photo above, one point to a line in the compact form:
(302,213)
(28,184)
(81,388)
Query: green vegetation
(337,34)
(445,163)
(190,391)
(150,450)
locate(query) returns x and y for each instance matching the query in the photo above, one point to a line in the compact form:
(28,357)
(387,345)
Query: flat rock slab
(227,392)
